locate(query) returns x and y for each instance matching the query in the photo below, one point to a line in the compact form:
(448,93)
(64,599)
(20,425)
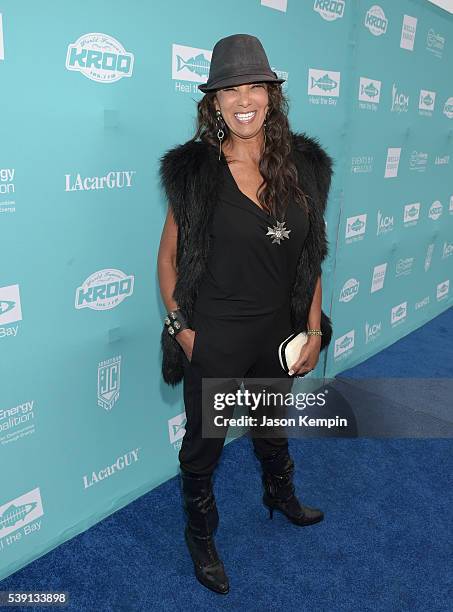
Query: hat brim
(239,80)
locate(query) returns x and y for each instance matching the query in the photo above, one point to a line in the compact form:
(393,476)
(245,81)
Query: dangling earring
(264,128)
(220,132)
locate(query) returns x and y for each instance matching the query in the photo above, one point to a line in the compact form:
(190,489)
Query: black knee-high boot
(279,491)
(203,519)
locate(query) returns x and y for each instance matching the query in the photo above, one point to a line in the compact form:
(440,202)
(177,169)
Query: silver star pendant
(278,232)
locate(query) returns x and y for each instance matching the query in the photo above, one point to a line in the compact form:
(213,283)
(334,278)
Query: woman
(239,269)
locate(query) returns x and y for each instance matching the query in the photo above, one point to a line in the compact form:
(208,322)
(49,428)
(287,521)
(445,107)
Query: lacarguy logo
(118,465)
(2,48)
(398,313)
(362,164)
(400,101)
(392,162)
(442,290)
(355,227)
(435,210)
(190,64)
(442,160)
(369,93)
(418,161)
(411,214)
(7,190)
(372,331)
(447,249)
(448,108)
(278,5)
(426,102)
(324,83)
(349,290)
(435,43)
(104,289)
(428,256)
(112,180)
(344,344)
(109,379)
(330,10)
(404,266)
(377,282)
(21,513)
(10,308)
(375,20)
(408,32)
(385,223)
(176,429)
(99,57)
(422,303)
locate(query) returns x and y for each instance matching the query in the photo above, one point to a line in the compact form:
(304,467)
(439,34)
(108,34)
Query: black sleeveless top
(248,272)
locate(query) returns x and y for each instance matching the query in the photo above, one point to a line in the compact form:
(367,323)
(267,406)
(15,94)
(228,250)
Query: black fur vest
(189,175)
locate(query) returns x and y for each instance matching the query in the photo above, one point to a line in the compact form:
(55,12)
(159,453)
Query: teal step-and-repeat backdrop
(91,97)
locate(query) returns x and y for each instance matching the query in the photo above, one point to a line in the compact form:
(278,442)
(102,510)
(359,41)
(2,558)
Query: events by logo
(112,180)
(408,30)
(323,86)
(377,281)
(2,48)
(435,43)
(400,101)
(190,64)
(176,429)
(355,228)
(392,162)
(369,93)
(109,382)
(99,57)
(10,310)
(330,10)
(104,289)
(426,102)
(362,164)
(375,20)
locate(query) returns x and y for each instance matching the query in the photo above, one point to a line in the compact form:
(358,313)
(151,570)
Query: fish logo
(412,211)
(426,100)
(10,307)
(5,306)
(323,82)
(13,514)
(190,63)
(356,226)
(399,311)
(448,108)
(176,427)
(370,90)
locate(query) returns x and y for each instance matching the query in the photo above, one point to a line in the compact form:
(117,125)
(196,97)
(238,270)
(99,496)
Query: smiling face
(243,107)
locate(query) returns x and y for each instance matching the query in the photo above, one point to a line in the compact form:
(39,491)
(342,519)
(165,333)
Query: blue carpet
(385,544)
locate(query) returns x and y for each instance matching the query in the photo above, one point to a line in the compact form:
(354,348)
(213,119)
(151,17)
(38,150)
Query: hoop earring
(220,132)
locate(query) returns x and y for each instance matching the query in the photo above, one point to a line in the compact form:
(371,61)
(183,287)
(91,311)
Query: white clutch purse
(289,349)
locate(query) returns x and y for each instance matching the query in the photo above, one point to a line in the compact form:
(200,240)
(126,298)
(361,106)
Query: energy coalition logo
(104,290)
(99,57)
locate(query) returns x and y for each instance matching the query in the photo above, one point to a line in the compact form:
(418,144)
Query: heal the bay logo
(190,64)
(104,289)
(375,20)
(369,93)
(411,214)
(448,108)
(22,513)
(344,344)
(109,379)
(112,180)
(10,311)
(408,30)
(398,314)
(442,290)
(330,10)
(355,228)
(99,57)
(323,86)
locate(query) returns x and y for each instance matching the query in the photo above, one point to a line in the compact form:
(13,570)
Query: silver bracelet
(175,322)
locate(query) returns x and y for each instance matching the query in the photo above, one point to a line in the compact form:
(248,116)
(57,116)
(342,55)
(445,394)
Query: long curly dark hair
(280,179)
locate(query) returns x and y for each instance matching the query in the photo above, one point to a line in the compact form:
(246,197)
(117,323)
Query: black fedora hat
(236,60)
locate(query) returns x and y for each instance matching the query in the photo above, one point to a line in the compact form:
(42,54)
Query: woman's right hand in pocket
(186,339)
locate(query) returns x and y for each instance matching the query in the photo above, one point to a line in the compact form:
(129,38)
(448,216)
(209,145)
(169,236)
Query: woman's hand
(308,357)
(186,339)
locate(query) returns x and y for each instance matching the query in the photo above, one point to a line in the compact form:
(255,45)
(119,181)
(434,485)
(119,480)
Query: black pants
(236,350)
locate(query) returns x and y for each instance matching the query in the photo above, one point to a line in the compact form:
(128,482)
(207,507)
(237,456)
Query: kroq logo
(104,290)
(99,57)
